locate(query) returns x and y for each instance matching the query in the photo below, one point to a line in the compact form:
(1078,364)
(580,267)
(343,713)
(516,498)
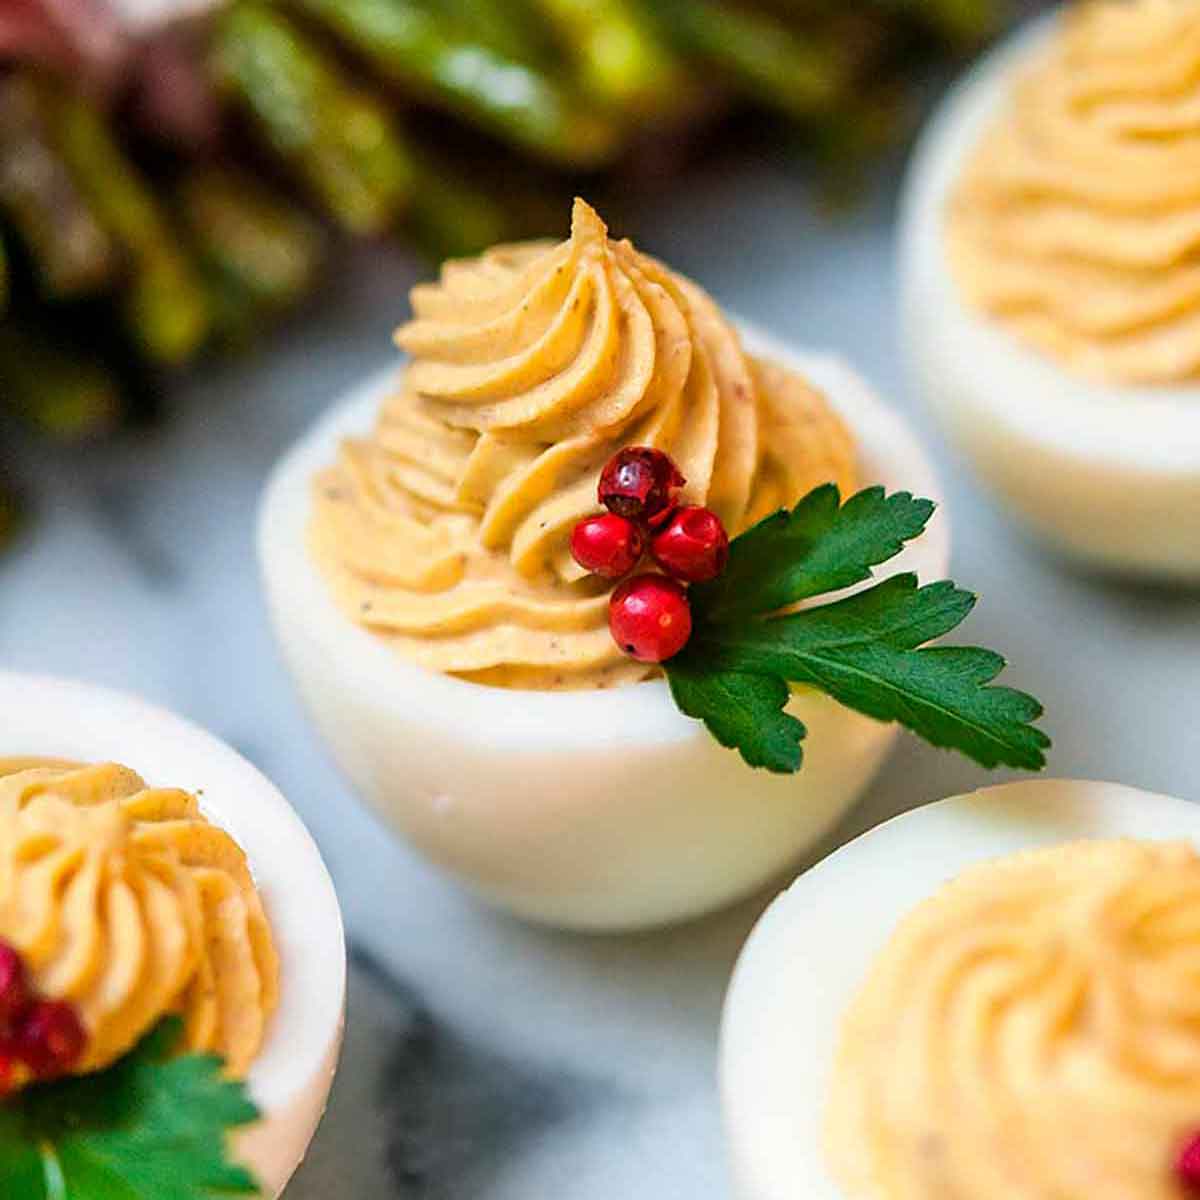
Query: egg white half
(589,809)
(44,717)
(812,949)
(1109,474)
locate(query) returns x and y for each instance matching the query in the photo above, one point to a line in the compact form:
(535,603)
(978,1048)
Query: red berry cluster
(649,615)
(44,1036)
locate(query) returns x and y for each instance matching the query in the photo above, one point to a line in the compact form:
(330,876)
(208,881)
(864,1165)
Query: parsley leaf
(868,651)
(743,712)
(820,546)
(863,651)
(150,1127)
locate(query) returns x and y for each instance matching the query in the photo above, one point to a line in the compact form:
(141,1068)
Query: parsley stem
(56,1183)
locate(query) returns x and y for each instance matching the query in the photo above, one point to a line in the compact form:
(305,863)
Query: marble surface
(485,1059)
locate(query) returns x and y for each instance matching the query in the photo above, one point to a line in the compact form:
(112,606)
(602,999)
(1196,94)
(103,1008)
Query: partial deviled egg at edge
(891,1033)
(1048,295)
(49,721)
(592,808)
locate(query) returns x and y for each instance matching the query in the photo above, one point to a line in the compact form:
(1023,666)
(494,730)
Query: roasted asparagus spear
(619,54)
(164,301)
(771,60)
(339,139)
(260,254)
(415,47)
(70,249)
(512,27)
(451,217)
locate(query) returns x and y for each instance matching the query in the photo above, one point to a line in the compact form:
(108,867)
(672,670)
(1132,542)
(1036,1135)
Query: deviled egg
(1051,287)
(991,996)
(415,549)
(183,884)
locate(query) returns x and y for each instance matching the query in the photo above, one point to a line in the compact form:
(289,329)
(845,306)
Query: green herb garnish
(868,651)
(150,1127)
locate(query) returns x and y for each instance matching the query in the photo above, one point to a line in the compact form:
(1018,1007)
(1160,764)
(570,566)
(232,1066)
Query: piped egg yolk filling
(446,533)
(1076,223)
(126,902)
(1033,1031)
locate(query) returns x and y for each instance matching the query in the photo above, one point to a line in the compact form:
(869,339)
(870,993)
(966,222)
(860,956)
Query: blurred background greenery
(164,196)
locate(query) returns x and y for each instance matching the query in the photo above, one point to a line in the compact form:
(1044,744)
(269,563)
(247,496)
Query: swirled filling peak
(1077,222)
(124,900)
(1031,1030)
(447,531)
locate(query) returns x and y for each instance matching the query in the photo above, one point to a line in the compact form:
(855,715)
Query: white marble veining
(517,1063)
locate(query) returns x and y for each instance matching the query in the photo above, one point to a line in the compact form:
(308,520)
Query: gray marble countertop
(485,1059)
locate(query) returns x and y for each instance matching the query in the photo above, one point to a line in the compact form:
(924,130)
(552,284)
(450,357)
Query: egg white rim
(1156,428)
(46,716)
(786,1000)
(640,713)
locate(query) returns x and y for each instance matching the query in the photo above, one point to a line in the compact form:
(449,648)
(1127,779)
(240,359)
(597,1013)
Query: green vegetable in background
(451,217)
(413,47)
(964,20)
(794,70)
(72,252)
(868,651)
(338,138)
(164,301)
(955,20)
(619,55)
(56,389)
(260,253)
(511,27)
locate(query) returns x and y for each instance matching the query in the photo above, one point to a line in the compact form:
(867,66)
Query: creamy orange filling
(1032,1031)
(127,902)
(1077,222)
(446,532)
